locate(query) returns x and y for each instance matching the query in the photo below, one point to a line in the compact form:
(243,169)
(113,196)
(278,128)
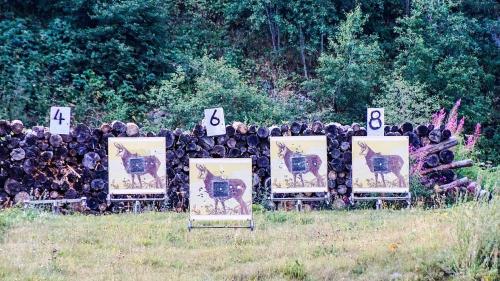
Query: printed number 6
(214,121)
(375,118)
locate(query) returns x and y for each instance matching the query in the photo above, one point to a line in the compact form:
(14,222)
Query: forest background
(160,63)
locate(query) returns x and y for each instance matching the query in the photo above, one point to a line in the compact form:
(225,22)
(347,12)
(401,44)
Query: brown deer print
(236,189)
(383,164)
(312,164)
(151,165)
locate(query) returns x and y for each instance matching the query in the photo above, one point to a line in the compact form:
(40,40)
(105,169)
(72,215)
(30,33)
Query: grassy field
(459,243)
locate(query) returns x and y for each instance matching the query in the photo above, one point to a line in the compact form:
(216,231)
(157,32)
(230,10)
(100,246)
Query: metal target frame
(404,196)
(250,222)
(293,196)
(137,201)
(56,203)
(380,163)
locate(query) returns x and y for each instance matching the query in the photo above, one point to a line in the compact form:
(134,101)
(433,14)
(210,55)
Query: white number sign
(214,121)
(375,121)
(60,120)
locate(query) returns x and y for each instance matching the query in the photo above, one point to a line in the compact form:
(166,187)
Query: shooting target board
(380,164)
(299,164)
(220,189)
(137,165)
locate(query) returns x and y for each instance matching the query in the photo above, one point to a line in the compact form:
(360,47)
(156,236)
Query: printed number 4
(214,121)
(60,118)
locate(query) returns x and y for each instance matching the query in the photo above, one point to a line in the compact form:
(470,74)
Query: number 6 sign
(375,121)
(60,120)
(214,121)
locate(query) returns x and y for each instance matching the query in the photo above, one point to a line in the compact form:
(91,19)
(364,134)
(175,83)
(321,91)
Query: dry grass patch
(355,245)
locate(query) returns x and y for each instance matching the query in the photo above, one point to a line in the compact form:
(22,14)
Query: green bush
(213,83)
(349,74)
(295,270)
(277,217)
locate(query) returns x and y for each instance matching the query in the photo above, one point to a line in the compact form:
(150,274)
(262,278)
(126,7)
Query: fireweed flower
(460,127)
(472,139)
(453,117)
(438,117)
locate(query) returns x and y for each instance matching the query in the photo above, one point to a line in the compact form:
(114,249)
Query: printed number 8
(214,121)
(375,118)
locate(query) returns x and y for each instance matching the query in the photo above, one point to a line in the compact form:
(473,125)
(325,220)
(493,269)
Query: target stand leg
(83,204)
(165,203)
(137,207)
(252,225)
(55,208)
(298,205)
(409,200)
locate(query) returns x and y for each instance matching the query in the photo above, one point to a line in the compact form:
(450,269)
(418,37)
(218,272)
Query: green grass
(458,243)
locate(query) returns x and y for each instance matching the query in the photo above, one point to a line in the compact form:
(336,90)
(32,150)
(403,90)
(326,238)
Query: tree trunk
(452,185)
(454,165)
(434,148)
(271,28)
(302,51)
(321,46)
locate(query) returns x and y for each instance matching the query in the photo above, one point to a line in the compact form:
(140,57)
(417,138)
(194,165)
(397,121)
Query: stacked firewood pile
(37,165)
(434,160)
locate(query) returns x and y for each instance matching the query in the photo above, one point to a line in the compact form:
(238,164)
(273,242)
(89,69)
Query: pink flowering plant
(460,127)
(438,118)
(456,125)
(418,161)
(471,141)
(452,122)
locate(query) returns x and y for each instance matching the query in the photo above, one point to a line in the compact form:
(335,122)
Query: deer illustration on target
(383,164)
(137,165)
(299,164)
(221,190)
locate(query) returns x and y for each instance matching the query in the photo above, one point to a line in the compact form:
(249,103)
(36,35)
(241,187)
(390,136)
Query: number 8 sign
(214,121)
(375,121)
(60,120)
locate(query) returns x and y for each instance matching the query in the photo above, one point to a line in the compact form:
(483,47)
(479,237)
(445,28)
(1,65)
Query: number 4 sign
(375,121)
(60,120)
(214,121)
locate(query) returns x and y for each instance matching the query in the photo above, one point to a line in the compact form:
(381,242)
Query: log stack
(35,164)
(431,150)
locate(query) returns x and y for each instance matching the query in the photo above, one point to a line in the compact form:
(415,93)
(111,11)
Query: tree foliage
(215,84)
(438,48)
(348,77)
(150,59)
(403,101)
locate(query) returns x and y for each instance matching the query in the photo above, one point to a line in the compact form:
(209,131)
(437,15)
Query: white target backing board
(137,165)
(380,164)
(298,164)
(220,189)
